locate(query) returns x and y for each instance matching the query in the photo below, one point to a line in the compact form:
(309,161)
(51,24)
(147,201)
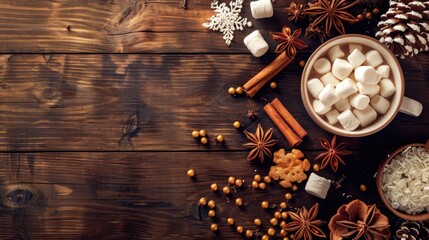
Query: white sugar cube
(327,96)
(359,101)
(348,120)
(314,86)
(353,46)
(345,88)
(380,104)
(329,78)
(331,116)
(335,52)
(369,90)
(317,186)
(365,116)
(322,66)
(383,70)
(320,108)
(342,104)
(373,58)
(387,88)
(367,75)
(356,58)
(341,68)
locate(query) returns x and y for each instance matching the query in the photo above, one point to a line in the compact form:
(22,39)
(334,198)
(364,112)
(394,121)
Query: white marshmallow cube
(365,116)
(335,52)
(369,90)
(314,86)
(367,75)
(317,186)
(261,9)
(327,96)
(387,88)
(373,58)
(356,58)
(342,105)
(331,116)
(380,104)
(348,120)
(345,88)
(322,66)
(320,108)
(353,46)
(341,68)
(256,43)
(329,78)
(383,70)
(359,101)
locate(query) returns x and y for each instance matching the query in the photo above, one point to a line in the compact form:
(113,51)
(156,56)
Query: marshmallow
(335,52)
(345,88)
(367,75)
(322,66)
(366,116)
(327,96)
(369,90)
(341,68)
(314,86)
(380,104)
(342,105)
(348,120)
(332,116)
(329,78)
(320,108)
(373,58)
(356,58)
(383,70)
(317,186)
(261,9)
(353,46)
(359,101)
(387,88)
(256,43)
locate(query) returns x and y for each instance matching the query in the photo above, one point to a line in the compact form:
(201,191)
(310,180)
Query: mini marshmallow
(341,68)
(256,43)
(348,120)
(317,186)
(327,96)
(359,101)
(314,86)
(387,88)
(373,58)
(356,58)
(383,70)
(261,9)
(342,105)
(369,90)
(320,108)
(345,88)
(322,66)
(329,78)
(380,104)
(335,52)
(353,46)
(332,116)
(366,116)
(367,75)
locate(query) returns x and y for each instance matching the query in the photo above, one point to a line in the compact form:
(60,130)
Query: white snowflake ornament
(227,19)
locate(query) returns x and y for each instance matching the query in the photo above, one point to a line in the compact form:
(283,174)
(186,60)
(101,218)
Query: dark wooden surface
(75,75)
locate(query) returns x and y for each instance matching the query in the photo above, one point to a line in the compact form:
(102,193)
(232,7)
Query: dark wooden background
(97,103)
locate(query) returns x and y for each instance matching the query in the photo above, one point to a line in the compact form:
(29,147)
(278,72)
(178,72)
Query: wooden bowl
(380,171)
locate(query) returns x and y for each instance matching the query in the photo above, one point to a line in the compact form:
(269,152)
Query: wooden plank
(87,102)
(143,195)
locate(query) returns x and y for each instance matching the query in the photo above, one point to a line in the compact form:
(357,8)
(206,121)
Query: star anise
(334,153)
(288,41)
(356,220)
(304,224)
(251,114)
(294,11)
(331,13)
(316,32)
(261,143)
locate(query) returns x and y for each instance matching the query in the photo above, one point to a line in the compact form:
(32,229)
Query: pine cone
(404,28)
(413,231)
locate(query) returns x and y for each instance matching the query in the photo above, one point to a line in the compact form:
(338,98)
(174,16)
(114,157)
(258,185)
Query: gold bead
(265,237)
(294,187)
(267,179)
(211,204)
(316,167)
(226,190)
(271,232)
(230,221)
(262,185)
(231,180)
(283,205)
(283,233)
(213,187)
(274,221)
(214,227)
(257,177)
(238,182)
(239,201)
(283,224)
(257,222)
(212,213)
(204,140)
(284,215)
(202,133)
(273,85)
(237,124)
(265,204)
(277,214)
(190,173)
(240,229)
(249,233)
(288,196)
(195,134)
(231,91)
(301,63)
(362,187)
(202,201)
(239,90)
(219,138)
(255,184)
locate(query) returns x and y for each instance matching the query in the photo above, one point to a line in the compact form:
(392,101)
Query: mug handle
(411,107)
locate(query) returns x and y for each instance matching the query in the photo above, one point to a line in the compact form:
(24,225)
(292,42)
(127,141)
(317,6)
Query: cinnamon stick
(289,119)
(289,134)
(259,80)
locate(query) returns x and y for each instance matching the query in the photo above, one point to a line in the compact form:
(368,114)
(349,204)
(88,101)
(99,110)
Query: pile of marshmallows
(351,91)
